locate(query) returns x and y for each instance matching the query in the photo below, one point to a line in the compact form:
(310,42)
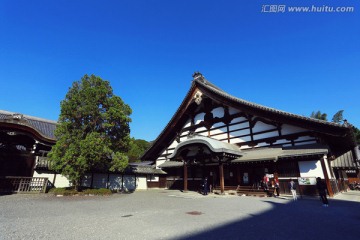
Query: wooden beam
(185,177)
(221,175)
(327,180)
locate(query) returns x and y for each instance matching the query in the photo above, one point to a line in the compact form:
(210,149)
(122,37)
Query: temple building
(24,166)
(233,142)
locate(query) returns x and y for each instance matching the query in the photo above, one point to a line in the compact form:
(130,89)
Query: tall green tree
(357,134)
(93,131)
(319,115)
(338,117)
(137,149)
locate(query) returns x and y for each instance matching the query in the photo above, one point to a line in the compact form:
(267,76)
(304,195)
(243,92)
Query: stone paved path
(165,214)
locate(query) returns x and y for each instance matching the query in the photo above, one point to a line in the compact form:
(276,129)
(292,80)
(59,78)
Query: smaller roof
(273,154)
(168,164)
(345,161)
(214,145)
(147,170)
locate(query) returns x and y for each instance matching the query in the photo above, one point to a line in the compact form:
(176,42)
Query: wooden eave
(27,128)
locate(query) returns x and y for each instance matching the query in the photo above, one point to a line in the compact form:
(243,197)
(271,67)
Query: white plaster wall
(187,124)
(236,140)
(233,111)
(311,169)
(173,144)
(61,181)
(159,162)
(141,183)
(266,135)
(222,137)
(289,129)
(240,133)
(219,124)
(199,117)
(203,130)
(218,112)
(260,126)
(219,130)
(240,119)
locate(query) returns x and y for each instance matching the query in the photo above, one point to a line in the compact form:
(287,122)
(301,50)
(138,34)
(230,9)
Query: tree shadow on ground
(302,219)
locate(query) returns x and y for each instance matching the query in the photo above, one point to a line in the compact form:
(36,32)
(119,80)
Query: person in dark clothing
(205,186)
(321,187)
(277,186)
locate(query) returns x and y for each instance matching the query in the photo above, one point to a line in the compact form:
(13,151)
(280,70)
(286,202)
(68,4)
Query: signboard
(307,180)
(270,175)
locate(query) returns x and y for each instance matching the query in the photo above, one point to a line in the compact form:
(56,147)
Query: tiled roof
(273,154)
(205,83)
(43,126)
(330,129)
(171,164)
(345,161)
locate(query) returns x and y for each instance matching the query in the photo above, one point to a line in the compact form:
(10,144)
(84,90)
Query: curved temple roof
(339,135)
(44,128)
(213,144)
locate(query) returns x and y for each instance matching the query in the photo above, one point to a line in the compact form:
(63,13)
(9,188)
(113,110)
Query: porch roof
(345,161)
(168,164)
(273,154)
(214,146)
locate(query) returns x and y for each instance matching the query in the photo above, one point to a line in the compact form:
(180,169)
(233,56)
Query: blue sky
(148,50)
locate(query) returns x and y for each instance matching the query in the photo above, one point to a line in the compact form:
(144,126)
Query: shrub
(70,191)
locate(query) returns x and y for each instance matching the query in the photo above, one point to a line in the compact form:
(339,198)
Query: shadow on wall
(303,219)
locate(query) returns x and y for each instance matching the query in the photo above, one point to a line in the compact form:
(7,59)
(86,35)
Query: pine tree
(93,132)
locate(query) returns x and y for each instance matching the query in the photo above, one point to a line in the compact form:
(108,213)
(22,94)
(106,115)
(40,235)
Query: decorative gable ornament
(198,97)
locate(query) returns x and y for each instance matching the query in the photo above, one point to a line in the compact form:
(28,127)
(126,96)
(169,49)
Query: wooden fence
(11,184)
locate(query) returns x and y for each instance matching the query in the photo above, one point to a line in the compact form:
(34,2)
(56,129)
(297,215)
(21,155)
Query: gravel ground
(165,214)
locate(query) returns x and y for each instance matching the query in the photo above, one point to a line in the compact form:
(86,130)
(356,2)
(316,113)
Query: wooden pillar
(185,177)
(327,180)
(221,175)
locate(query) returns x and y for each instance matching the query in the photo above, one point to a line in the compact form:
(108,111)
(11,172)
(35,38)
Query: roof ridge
(28,117)
(203,81)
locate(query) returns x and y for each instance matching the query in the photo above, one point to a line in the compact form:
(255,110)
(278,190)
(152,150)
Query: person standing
(205,186)
(266,183)
(292,188)
(321,187)
(277,186)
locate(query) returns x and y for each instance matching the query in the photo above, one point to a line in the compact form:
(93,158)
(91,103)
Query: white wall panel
(220,137)
(289,129)
(217,131)
(239,126)
(61,181)
(218,112)
(238,119)
(266,135)
(199,117)
(310,169)
(260,126)
(240,133)
(233,111)
(141,183)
